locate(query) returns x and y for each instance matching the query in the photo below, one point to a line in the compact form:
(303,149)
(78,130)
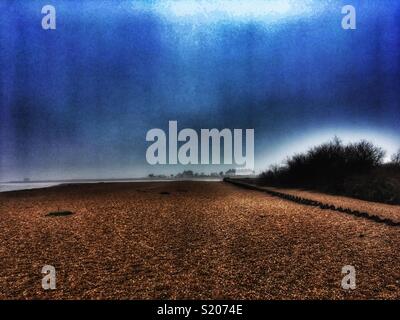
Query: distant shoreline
(39,184)
(116,180)
(155,179)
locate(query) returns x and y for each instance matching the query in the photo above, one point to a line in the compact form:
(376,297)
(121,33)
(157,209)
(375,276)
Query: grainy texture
(185,240)
(382,210)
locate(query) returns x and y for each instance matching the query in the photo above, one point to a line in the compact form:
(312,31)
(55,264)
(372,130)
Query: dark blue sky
(77,101)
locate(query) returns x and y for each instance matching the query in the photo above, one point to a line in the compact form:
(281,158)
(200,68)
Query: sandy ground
(186,240)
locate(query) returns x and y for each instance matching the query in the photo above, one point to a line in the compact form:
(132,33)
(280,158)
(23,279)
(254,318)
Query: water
(25,186)
(12,186)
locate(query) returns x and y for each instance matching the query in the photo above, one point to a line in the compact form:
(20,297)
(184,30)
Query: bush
(354,170)
(396,158)
(327,163)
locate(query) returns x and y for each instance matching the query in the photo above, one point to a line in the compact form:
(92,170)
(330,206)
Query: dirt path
(377,212)
(183,240)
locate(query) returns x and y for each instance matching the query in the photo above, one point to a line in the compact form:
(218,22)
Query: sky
(77,102)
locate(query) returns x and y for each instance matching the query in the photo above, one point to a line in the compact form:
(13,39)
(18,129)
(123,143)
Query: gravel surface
(187,240)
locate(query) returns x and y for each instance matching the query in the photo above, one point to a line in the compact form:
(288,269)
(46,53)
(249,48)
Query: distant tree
(329,162)
(230,172)
(396,158)
(151,175)
(188,173)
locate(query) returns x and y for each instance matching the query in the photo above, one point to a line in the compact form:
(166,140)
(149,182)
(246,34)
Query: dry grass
(202,240)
